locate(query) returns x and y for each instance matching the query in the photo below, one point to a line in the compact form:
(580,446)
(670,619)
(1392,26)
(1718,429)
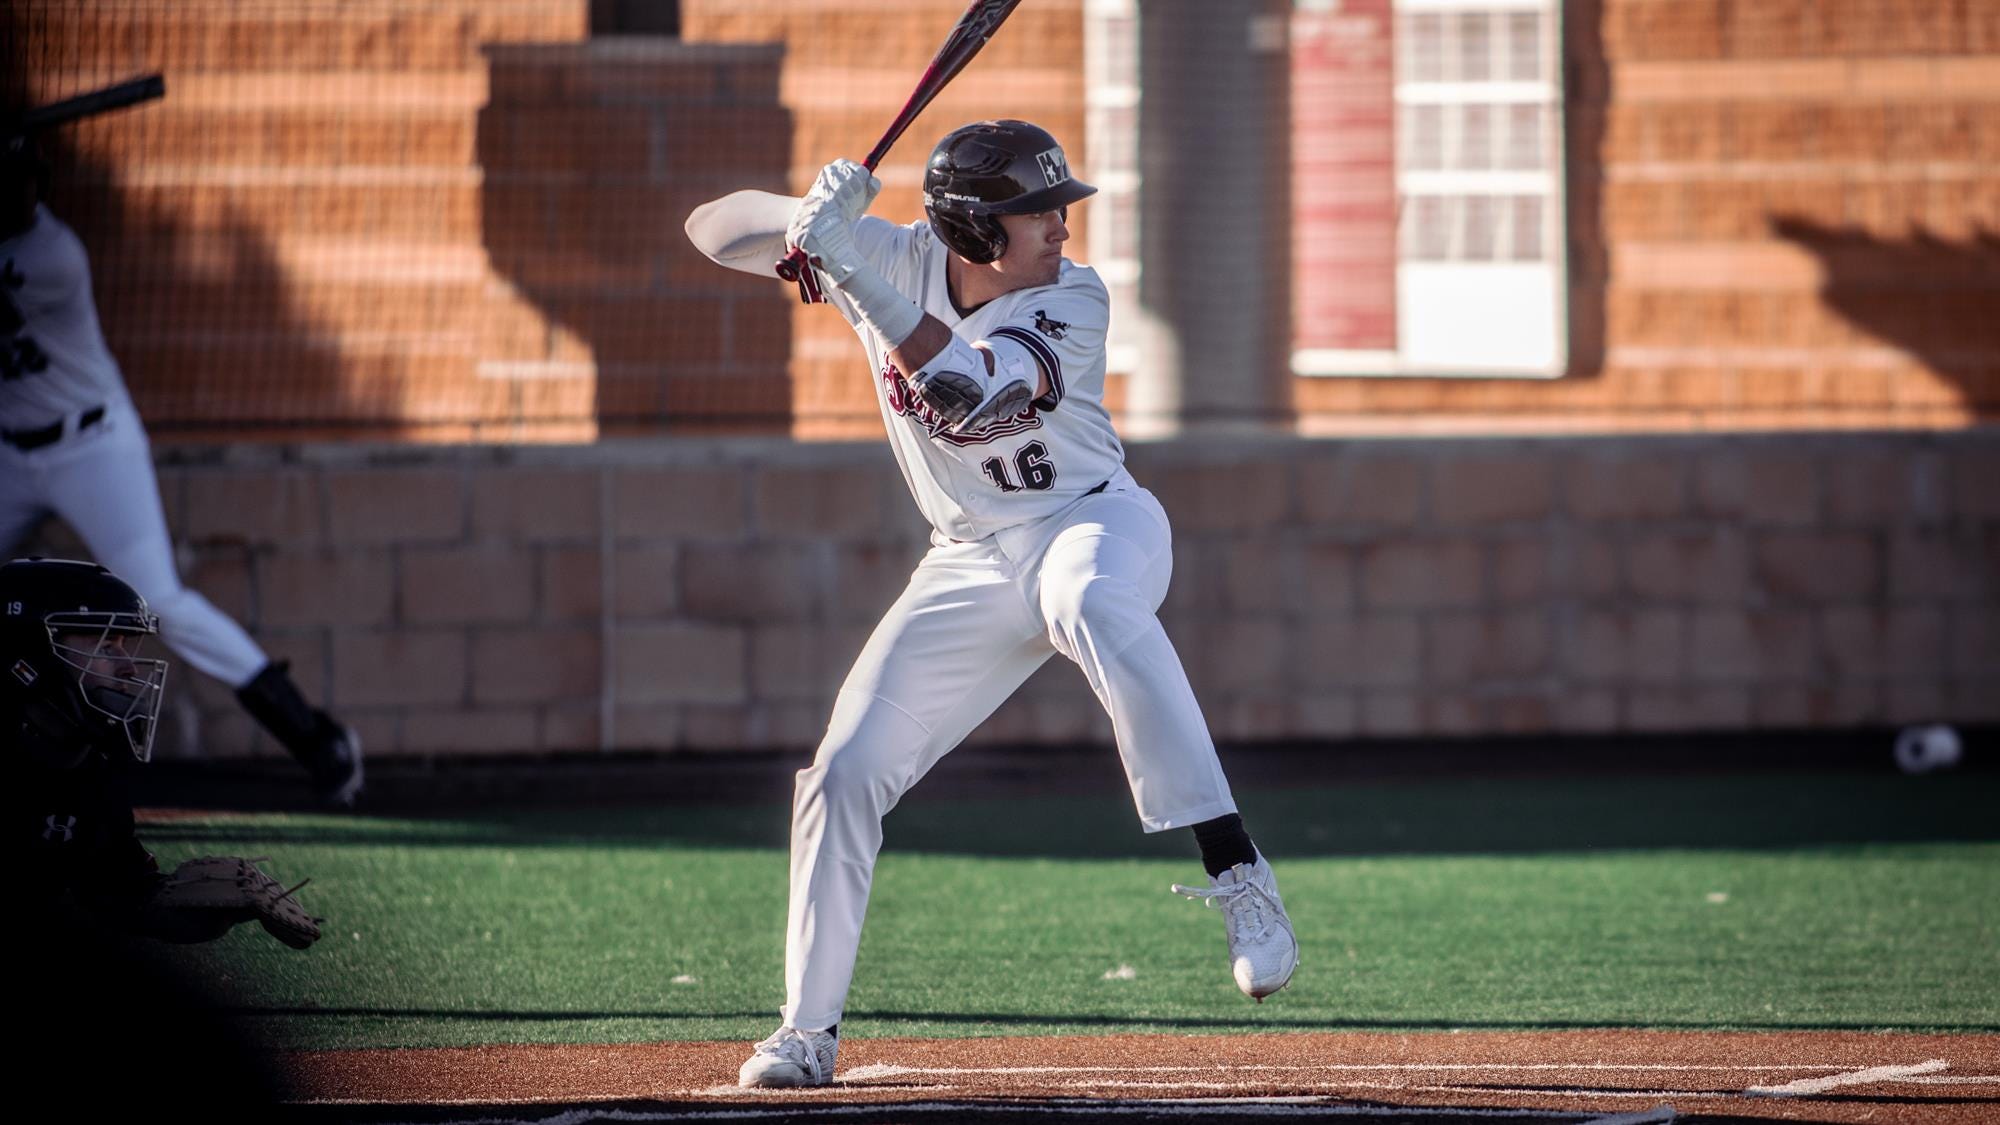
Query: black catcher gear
(994,168)
(72,675)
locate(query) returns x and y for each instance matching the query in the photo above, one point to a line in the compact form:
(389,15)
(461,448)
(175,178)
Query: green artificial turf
(1751,901)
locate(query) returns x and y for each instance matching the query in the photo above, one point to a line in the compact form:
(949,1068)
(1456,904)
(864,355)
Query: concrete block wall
(710,594)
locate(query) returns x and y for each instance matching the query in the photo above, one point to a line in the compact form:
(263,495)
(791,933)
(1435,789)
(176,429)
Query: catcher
(78,705)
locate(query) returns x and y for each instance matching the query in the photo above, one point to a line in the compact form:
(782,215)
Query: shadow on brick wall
(193,298)
(1587,91)
(1931,297)
(592,156)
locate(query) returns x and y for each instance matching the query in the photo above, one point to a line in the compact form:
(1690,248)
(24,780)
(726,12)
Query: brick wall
(427,219)
(711,593)
(441,219)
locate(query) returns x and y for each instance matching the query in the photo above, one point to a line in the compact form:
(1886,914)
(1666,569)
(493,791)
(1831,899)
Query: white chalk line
(1241,1107)
(892,1070)
(1805,1087)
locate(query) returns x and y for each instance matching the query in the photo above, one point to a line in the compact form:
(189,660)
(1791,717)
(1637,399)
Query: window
(1477,283)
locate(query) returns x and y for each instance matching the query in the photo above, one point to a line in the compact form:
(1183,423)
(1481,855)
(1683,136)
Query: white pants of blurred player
(976,620)
(99,479)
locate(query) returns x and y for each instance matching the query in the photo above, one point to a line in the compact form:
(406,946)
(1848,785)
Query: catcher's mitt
(227,887)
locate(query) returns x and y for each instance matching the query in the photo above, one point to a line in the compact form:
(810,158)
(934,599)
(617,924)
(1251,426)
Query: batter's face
(1034,248)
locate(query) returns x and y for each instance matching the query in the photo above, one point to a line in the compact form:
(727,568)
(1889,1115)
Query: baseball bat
(967,36)
(89,105)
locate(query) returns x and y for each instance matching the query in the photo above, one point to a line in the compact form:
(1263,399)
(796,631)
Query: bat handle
(792,267)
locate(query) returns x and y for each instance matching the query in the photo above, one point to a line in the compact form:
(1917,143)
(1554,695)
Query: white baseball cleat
(791,1057)
(1262,950)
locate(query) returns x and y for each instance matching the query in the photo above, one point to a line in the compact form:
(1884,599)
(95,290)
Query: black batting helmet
(993,168)
(72,679)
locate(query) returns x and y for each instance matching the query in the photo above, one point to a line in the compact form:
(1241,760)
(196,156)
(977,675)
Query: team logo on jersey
(1053,329)
(909,404)
(1055,167)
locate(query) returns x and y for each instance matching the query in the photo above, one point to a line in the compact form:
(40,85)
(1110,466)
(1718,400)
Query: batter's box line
(1267,1107)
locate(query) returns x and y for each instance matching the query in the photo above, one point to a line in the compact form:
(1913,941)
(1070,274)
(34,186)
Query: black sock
(1224,844)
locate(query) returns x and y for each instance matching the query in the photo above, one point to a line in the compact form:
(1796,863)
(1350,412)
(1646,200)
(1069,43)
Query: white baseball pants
(975,621)
(100,480)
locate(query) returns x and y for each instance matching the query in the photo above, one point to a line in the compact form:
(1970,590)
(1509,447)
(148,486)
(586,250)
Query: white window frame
(1436,339)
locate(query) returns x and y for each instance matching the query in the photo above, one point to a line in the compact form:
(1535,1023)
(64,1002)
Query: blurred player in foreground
(987,349)
(72,444)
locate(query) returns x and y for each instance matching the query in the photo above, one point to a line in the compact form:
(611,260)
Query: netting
(461,219)
(449,219)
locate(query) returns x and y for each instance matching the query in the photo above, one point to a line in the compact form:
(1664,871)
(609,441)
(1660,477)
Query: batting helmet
(74,680)
(993,168)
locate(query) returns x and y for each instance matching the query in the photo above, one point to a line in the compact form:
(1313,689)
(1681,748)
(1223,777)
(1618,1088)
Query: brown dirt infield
(1809,1076)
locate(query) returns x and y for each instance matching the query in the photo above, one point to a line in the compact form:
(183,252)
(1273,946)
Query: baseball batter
(987,350)
(72,444)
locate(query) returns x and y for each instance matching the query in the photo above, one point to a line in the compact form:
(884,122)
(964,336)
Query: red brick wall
(1781,214)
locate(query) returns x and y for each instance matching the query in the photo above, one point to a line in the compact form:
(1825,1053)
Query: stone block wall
(710,594)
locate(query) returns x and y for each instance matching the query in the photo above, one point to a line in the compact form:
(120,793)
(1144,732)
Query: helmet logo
(1055,168)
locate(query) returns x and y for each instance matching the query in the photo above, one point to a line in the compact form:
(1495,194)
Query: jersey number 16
(1037,472)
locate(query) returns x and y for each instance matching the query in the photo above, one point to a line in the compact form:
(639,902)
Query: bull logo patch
(1053,329)
(1055,168)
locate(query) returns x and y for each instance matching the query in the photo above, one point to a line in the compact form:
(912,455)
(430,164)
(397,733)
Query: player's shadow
(592,155)
(1931,297)
(200,302)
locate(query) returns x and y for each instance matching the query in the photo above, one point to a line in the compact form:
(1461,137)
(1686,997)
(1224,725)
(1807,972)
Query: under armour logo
(67,828)
(1055,169)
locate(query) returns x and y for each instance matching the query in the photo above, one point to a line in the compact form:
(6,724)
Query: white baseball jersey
(53,361)
(1020,468)
(96,470)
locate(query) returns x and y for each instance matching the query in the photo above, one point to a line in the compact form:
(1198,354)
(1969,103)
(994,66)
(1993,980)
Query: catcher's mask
(75,678)
(994,168)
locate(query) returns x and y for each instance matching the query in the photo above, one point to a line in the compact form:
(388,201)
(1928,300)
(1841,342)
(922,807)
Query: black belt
(52,433)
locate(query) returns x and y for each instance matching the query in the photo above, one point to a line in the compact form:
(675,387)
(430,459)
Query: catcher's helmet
(993,168)
(72,679)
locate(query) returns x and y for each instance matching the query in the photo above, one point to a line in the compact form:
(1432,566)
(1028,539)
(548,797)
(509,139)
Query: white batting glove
(827,237)
(823,223)
(847,184)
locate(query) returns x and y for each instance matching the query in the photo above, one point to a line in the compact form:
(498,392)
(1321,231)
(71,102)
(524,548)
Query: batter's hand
(826,234)
(848,185)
